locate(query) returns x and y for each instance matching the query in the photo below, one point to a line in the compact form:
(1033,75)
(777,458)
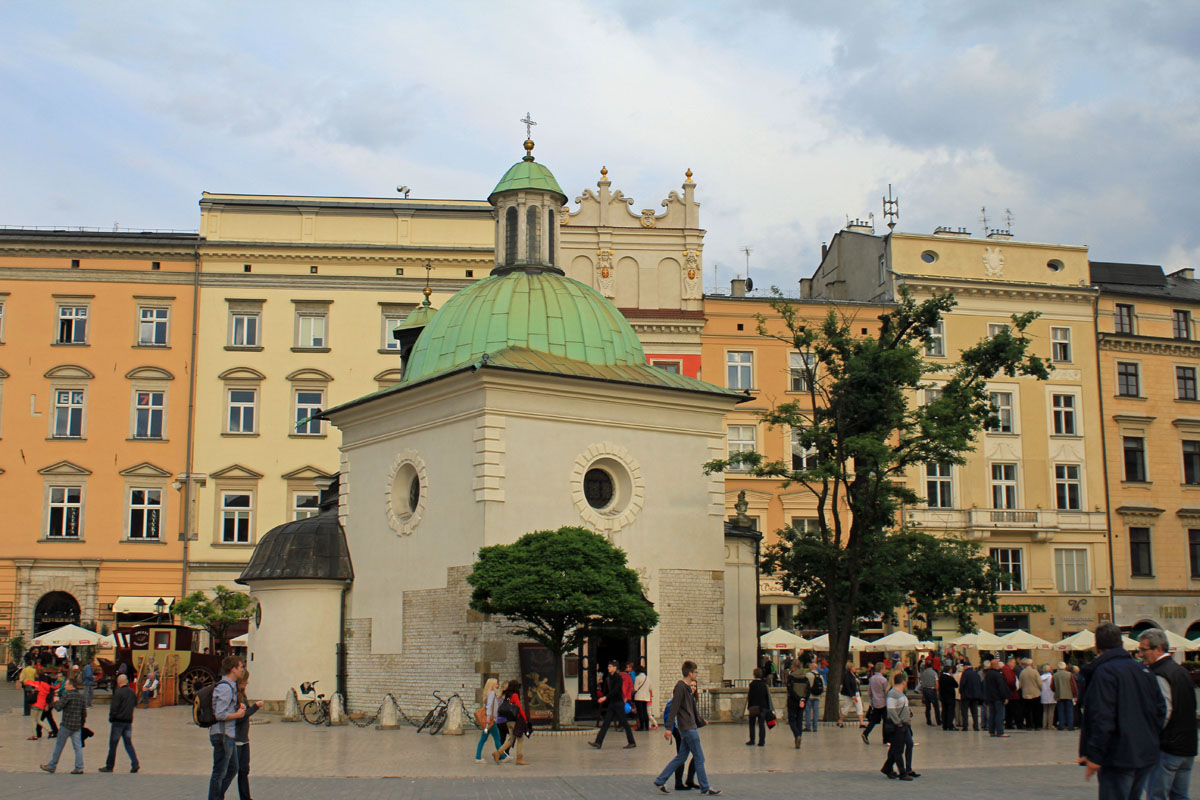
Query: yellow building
(1032,492)
(96,357)
(734,355)
(1149,359)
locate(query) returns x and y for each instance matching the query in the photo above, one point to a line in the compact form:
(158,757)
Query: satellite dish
(749,284)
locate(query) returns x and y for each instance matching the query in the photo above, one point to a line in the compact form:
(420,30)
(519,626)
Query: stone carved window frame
(630,487)
(402,519)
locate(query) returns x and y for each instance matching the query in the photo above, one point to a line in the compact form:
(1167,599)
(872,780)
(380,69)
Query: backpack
(202,707)
(667,712)
(817,687)
(508,710)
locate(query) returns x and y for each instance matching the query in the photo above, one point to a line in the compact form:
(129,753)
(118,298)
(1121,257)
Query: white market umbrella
(68,635)
(240,641)
(896,640)
(779,639)
(1024,640)
(927,645)
(1084,640)
(1180,643)
(108,641)
(984,640)
(821,643)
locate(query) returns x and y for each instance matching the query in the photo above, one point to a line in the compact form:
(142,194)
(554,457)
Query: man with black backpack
(816,688)
(218,709)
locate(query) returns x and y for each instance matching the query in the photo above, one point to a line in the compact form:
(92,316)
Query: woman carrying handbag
(758,703)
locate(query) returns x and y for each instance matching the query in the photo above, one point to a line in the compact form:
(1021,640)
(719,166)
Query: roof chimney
(1187,273)
(997,233)
(737,287)
(943,231)
(861,225)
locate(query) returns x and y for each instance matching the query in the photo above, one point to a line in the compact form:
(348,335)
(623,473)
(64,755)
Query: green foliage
(216,615)
(559,587)
(17,647)
(867,421)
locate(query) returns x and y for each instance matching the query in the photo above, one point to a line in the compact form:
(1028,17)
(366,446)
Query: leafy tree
(865,432)
(558,588)
(216,615)
(17,647)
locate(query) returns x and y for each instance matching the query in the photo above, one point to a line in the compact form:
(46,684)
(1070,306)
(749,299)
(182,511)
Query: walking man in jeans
(223,733)
(1177,741)
(120,720)
(877,688)
(686,719)
(74,715)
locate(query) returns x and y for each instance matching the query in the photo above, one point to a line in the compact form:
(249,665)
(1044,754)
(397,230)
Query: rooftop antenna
(983,218)
(404,190)
(891,209)
(749,281)
(1008,220)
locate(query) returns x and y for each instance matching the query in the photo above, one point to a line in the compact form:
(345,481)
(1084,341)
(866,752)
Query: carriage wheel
(193,680)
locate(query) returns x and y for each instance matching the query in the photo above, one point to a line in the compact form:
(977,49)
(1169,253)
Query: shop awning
(140,605)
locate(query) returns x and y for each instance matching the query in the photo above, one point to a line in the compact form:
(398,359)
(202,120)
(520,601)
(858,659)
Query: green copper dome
(528,174)
(541,311)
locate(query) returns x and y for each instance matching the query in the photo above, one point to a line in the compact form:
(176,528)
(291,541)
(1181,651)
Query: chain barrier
(367,720)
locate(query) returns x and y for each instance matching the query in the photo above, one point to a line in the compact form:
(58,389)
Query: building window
(152,327)
(510,236)
(1194,551)
(1128,382)
(72,324)
(148,415)
(1004,485)
(1067,487)
(1185,383)
(243,328)
(531,234)
(309,402)
(1002,408)
(674,367)
(1071,570)
(801,458)
(236,511)
(996,328)
(145,510)
(390,323)
(740,368)
(935,346)
(68,414)
(1064,414)
(932,395)
(1123,318)
(242,403)
(742,438)
(1139,553)
(1009,560)
(305,504)
(939,488)
(310,330)
(801,371)
(1191,463)
(551,224)
(1060,345)
(66,512)
(1181,324)
(1135,458)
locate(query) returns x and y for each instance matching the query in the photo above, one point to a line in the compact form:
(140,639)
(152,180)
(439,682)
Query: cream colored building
(1032,493)
(298,297)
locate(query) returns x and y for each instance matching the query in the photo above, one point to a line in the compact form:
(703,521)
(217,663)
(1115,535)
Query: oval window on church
(414,492)
(598,488)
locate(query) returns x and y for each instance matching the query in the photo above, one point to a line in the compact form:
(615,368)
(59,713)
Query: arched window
(510,236)
(531,221)
(550,226)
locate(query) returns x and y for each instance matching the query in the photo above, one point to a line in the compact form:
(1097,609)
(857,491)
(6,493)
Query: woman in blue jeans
(491,705)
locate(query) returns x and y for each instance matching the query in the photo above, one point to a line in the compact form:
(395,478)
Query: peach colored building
(96,341)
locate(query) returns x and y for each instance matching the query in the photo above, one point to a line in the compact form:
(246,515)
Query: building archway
(1141,626)
(1193,631)
(54,610)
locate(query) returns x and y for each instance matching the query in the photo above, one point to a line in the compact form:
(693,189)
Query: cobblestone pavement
(299,760)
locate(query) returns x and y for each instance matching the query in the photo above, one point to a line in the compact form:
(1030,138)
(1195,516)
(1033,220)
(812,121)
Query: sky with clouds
(1083,118)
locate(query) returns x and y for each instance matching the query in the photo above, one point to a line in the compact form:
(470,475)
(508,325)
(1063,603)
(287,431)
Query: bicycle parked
(436,718)
(315,712)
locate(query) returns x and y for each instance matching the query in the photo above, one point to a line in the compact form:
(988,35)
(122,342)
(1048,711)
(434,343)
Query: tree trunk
(558,684)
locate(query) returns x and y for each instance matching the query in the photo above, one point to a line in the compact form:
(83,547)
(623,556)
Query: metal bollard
(454,720)
(389,716)
(291,707)
(337,710)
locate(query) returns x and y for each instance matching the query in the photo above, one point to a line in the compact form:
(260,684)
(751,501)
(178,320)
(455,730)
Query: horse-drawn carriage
(174,653)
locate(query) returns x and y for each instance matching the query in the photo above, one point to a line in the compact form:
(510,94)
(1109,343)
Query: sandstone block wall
(691,626)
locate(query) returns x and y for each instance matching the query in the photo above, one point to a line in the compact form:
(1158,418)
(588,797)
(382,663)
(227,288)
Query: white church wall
(741,608)
(295,611)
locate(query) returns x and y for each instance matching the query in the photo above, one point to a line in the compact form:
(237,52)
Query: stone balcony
(979,523)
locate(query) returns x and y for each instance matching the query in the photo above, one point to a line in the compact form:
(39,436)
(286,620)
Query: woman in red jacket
(41,706)
(519,724)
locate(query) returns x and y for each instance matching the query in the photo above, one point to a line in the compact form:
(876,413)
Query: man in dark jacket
(1123,712)
(685,717)
(1177,741)
(74,715)
(971,690)
(120,721)
(615,711)
(998,692)
(947,689)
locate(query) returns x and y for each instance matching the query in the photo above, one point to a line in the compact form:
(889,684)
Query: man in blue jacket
(1123,713)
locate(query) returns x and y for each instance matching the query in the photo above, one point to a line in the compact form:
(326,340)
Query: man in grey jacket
(223,733)
(929,693)
(684,716)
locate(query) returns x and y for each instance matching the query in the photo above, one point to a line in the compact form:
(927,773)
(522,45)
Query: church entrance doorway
(53,611)
(593,665)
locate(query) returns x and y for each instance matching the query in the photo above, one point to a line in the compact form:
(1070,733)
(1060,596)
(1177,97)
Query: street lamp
(160,608)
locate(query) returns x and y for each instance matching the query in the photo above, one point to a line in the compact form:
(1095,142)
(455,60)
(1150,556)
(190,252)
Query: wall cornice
(1149,345)
(95,275)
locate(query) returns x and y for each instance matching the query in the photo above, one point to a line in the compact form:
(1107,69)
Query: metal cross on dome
(529,123)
